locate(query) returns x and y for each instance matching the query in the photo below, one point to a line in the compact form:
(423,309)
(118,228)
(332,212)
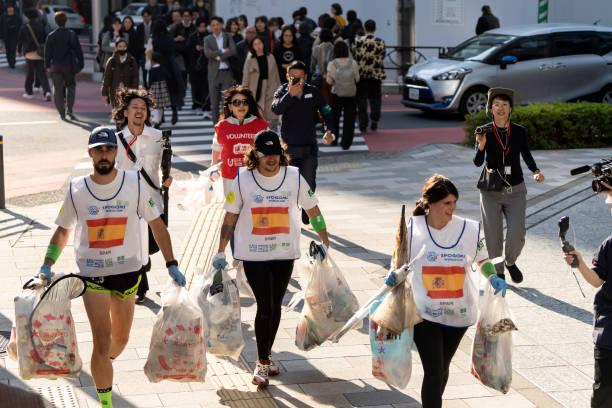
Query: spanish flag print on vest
(106,232)
(444,282)
(270,220)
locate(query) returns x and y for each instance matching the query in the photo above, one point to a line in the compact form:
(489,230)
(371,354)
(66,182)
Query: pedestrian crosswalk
(192,138)
(4,61)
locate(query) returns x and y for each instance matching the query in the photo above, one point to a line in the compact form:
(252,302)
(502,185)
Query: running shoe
(48,97)
(260,375)
(272,368)
(515,273)
(27,96)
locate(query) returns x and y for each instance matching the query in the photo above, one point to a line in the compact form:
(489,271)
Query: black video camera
(602,171)
(483,129)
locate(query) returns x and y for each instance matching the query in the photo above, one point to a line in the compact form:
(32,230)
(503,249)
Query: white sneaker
(27,96)
(260,375)
(207,114)
(36,89)
(48,96)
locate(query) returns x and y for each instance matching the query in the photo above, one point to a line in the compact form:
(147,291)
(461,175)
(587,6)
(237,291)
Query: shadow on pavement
(26,222)
(555,305)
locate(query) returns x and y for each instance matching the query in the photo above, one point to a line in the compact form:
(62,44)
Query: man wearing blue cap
(104,209)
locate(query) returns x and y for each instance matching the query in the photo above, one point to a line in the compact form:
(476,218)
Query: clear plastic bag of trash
(218,298)
(391,353)
(201,191)
(492,345)
(328,303)
(243,284)
(177,351)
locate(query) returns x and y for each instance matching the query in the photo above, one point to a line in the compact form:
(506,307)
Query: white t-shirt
(148,150)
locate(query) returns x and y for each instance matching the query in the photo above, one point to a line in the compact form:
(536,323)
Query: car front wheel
(606,95)
(473,101)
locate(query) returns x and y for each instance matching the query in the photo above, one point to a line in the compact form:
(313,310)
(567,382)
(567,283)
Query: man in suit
(143,33)
(219,47)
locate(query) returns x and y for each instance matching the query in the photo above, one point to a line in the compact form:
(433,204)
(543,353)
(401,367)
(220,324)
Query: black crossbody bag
(153,247)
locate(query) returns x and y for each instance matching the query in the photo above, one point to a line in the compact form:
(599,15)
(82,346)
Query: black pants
(437,345)
(269,282)
(368,90)
(36,67)
(64,87)
(199,89)
(11,51)
(602,385)
(349,105)
(306,158)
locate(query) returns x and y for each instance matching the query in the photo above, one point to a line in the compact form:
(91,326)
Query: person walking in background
(301,104)
(180,32)
(243,23)
(241,120)
(158,86)
(261,25)
(261,77)
(10,25)
(487,21)
(164,44)
(128,28)
(501,153)
(304,19)
(218,48)
(343,76)
(242,49)
(287,50)
(107,26)
(233,29)
(30,43)
(143,35)
(110,39)
(121,71)
(369,53)
(63,58)
(305,44)
(319,61)
(199,67)
(352,28)
(200,6)
(336,12)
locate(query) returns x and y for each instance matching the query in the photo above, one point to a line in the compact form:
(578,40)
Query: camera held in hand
(602,171)
(483,129)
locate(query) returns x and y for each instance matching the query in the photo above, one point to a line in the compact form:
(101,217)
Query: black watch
(171,263)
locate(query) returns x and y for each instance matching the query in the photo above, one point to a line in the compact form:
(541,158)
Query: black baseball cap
(102,136)
(267,143)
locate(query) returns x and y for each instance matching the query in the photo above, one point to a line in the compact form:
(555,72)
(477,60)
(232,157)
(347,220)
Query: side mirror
(507,60)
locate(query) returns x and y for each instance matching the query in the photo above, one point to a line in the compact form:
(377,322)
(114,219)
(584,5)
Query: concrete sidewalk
(361,200)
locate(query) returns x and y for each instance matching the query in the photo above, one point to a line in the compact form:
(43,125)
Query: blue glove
(178,277)
(45,270)
(391,279)
(322,251)
(219,261)
(499,285)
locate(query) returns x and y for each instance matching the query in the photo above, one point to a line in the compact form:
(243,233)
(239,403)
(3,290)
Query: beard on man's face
(108,167)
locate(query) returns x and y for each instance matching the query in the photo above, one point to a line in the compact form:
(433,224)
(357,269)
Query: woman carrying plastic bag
(177,351)
(219,300)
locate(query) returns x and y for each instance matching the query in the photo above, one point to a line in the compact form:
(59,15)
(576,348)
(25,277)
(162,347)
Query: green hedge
(558,125)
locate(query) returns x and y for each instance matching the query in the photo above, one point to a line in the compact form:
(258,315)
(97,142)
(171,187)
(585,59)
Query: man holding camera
(597,276)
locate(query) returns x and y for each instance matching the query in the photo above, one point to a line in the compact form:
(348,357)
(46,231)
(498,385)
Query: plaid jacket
(369,52)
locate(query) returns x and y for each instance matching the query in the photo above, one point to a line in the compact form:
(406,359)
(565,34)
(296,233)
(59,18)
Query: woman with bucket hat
(499,145)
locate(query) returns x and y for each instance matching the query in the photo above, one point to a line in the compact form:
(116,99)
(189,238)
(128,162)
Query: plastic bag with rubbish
(492,346)
(391,353)
(219,300)
(328,303)
(398,312)
(243,284)
(201,191)
(177,351)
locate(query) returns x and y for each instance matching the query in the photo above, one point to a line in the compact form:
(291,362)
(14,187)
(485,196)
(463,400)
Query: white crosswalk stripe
(192,138)
(4,61)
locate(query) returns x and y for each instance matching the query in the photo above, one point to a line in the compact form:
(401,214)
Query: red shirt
(236,140)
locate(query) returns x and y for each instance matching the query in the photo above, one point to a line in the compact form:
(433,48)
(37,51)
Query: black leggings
(269,281)
(437,345)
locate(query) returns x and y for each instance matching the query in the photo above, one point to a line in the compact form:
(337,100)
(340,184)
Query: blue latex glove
(391,279)
(499,285)
(219,261)
(178,277)
(45,271)
(322,251)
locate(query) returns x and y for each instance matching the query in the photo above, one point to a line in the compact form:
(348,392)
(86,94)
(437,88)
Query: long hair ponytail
(436,188)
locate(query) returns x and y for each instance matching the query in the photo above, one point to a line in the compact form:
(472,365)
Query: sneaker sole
(260,385)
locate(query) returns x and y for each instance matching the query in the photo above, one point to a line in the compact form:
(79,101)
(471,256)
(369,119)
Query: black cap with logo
(101,136)
(267,143)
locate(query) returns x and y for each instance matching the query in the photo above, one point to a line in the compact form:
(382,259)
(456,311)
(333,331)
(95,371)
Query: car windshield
(479,47)
(131,9)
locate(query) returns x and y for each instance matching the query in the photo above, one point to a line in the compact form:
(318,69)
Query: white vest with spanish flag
(107,237)
(269,224)
(444,283)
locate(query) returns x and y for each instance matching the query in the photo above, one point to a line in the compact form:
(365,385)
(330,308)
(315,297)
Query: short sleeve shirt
(602,304)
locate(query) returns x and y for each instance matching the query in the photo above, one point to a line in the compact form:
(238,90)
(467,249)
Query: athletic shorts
(122,286)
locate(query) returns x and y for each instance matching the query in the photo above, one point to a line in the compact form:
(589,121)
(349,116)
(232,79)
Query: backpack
(345,79)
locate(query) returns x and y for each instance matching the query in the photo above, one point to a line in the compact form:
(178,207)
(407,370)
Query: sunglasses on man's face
(238,102)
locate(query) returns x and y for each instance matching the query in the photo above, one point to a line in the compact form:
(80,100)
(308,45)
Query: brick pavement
(361,200)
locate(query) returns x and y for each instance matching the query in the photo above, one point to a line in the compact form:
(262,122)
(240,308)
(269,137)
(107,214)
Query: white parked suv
(542,63)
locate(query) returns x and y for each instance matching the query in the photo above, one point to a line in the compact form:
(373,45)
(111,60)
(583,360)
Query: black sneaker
(71,116)
(501,275)
(141,298)
(515,273)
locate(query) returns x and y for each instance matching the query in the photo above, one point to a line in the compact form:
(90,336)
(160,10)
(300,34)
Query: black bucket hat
(493,92)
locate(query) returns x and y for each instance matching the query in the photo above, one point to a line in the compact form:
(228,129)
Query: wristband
(487,269)
(171,263)
(318,223)
(53,252)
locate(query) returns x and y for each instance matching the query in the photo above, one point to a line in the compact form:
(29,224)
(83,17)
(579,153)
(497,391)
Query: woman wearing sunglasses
(241,119)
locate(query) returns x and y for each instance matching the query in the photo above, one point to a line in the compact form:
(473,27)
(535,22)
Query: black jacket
(25,42)
(301,114)
(486,22)
(59,46)
(493,153)
(9,27)
(197,38)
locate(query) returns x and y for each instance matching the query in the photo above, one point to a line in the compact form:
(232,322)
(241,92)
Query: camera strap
(505,146)
(132,157)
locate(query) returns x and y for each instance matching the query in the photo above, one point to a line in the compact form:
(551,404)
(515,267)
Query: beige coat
(250,78)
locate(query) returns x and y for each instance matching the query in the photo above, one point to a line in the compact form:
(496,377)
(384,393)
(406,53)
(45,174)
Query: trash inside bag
(391,353)
(201,191)
(45,336)
(492,346)
(328,304)
(219,300)
(177,351)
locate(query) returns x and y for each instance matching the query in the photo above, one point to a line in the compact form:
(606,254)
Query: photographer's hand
(588,274)
(481,139)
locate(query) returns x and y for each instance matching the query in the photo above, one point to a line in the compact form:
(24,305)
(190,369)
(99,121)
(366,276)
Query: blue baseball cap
(102,136)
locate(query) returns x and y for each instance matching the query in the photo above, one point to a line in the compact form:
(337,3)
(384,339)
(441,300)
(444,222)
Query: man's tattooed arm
(227,230)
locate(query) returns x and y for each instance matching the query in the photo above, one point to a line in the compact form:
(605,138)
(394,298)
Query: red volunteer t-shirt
(236,140)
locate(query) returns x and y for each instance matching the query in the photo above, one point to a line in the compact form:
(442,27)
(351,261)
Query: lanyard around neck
(505,147)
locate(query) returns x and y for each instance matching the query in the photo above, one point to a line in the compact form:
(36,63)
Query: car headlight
(452,75)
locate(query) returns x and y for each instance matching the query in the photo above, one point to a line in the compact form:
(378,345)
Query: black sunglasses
(238,102)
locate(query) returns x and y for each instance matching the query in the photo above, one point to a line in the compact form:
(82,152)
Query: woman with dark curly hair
(140,148)
(241,120)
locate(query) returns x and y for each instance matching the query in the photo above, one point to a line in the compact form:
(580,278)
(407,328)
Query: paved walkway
(361,201)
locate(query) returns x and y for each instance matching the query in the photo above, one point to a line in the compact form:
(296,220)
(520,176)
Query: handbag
(492,179)
(40,49)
